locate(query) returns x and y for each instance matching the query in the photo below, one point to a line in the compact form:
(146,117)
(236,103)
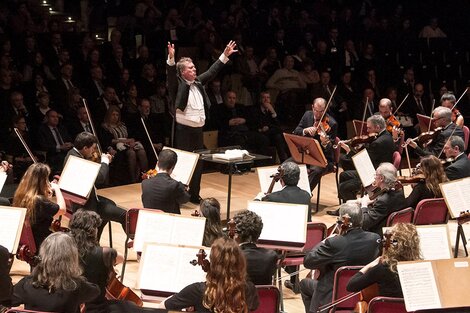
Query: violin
(115,290)
(374,191)
(232,228)
(201,260)
(196,213)
(358,140)
(426,138)
(324,124)
(447,162)
(392,122)
(455,114)
(414,179)
(57,226)
(275,178)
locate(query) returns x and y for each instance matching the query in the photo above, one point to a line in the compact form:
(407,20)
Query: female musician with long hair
(210,209)
(56,283)
(34,193)
(226,288)
(428,188)
(404,246)
(118,136)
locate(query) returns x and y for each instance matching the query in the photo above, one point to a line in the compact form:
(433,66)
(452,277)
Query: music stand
(305,150)
(424,121)
(360,127)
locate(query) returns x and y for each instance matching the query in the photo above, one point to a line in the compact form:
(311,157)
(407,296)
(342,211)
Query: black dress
(40,299)
(388,281)
(420,192)
(192,295)
(44,215)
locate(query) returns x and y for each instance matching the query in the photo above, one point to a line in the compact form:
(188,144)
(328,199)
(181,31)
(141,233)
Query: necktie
(58,137)
(69,84)
(420,106)
(87,127)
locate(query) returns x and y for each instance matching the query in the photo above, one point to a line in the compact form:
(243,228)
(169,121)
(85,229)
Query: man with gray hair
(460,167)
(448,100)
(442,117)
(354,247)
(388,199)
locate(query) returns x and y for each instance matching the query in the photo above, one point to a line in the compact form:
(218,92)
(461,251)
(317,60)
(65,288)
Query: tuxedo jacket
(381,149)
(261,263)
(179,89)
(289,194)
(164,193)
(46,140)
(435,147)
(460,168)
(356,247)
(307,121)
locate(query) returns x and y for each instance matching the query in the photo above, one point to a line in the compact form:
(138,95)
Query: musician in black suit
(192,103)
(163,192)
(290,193)
(309,126)
(6,287)
(55,140)
(380,150)
(261,263)
(390,199)
(84,147)
(442,117)
(460,167)
(355,247)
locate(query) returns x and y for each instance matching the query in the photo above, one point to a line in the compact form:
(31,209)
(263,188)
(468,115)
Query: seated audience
(210,209)
(261,263)
(34,193)
(161,191)
(404,246)
(226,288)
(56,284)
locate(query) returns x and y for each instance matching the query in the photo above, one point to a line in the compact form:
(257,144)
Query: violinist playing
(459,166)
(392,124)
(388,199)
(403,246)
(448,100)
(380,150)
(432,174)
(442,117)
(355,247)
(325,131)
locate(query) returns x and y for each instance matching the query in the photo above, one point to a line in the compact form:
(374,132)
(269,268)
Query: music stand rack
(305,150)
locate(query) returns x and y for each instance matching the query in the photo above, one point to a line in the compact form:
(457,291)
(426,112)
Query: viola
(201,260)
(414,179)
(57,226)
(359,140)
(232,228)
(374,191)
(426,138)
(275,178)
(115,290)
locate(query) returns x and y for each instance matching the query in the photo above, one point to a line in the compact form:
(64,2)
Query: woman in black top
(404,246)
(226,288)
(434,174)
(34,193)
(56,284)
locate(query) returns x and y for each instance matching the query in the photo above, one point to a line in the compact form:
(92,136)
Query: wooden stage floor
(244,188)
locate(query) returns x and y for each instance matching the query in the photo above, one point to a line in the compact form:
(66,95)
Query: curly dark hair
(249,226)
(84,230)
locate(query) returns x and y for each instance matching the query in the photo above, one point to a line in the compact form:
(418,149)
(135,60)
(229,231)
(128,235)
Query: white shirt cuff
(223,58)
(104,159)
(170,62)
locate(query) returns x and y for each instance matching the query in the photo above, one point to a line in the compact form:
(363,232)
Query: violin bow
(364,113)
(432,109)
(31,155)
(448,139)
(328,103)
(408,158)
(401,103)
(460,98)
(148,136)
(90,120)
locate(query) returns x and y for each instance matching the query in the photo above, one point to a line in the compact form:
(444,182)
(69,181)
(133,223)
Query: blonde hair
(404,247)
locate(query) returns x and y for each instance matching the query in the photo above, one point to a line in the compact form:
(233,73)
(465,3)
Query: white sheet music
(11,224)
(281,221)
(434,242)
(168,229)
(167,267)
(78,176)
(185,165)
(364,167)
(419,286)
(264,178)
(456,195)
(3,179)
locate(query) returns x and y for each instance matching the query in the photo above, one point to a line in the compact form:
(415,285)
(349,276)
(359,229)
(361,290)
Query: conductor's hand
(229,49)
(171,50)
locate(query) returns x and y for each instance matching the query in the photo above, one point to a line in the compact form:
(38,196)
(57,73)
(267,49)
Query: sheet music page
(364,167)
(3,179)
(455,194)
(167,267)
(281,221)
(78,176)
(434,242)
(419,286)
(264,178)
(185,165)
(11,225)
(168,228)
